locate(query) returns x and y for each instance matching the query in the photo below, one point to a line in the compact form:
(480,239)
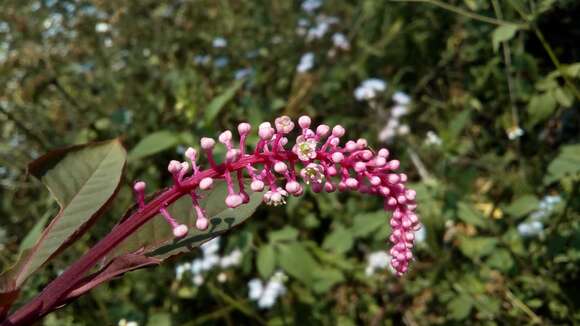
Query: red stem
(50,298)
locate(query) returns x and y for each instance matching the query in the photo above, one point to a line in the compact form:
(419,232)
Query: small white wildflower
(256,289)
(219,42)
(421,234)
(125,322)
(211,247)
(401,98)
(433,139)
(340,41)
(369,89)
(222,277)
(530,229)
(398,111)
(233,259)
(102,27)
(377,260)
(515,132)
(310,6)
(306,62)
(198,279)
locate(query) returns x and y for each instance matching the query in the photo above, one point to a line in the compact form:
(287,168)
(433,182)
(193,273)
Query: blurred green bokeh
(490,141)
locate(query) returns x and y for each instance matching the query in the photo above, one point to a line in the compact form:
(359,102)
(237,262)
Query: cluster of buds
(316,159)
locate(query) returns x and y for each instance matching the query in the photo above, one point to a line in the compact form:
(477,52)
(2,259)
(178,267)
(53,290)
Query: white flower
(421,234)
(305,148)
(398,111)
(515,132)
(306,62)
(219,42)
(369,89)
(243,73)
(377,260)
(211,247)
(256,289)
(233,259)
(313,173)
(198,279)
(102,27)
(401,98)
(530,229)
(310,5)
(340,41)
(433,139)
(276,197)
(222,277)
(125,322)
(266,295)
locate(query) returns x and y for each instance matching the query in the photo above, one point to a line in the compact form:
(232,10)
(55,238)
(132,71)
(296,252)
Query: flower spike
(316,159)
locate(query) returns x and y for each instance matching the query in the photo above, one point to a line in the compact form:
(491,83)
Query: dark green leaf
(266,261)
(295,259)
(523,206)
(503,33)
(217,104)
(339,241)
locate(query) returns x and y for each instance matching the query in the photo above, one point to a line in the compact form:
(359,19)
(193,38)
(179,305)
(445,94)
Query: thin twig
(24,128)
(468,14)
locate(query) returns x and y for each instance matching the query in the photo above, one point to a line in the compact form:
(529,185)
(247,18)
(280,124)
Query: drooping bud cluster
(316,159)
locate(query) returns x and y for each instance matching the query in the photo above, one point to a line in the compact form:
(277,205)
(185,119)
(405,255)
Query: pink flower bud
(393,178)
(380,161)
(225,137)
(403,177)
(338,131)
(283,141)
(191,153)
(207,143)
(280,167)
(394,164)
(205,183)
(293,187)
(361,143)
(350,146)
(139,186)
(383,152)
(284,124)
(232,155)
(266,131)
(351,183)
(244,128)
(322,130)
(360,166)
(334,141)
(367,155)
(174,167)
(374,180)
(337,157)
(202,223)
(304,121)
(234,200)
(331,171)
(410,194)
(257,185)
(180,231)
(329,187)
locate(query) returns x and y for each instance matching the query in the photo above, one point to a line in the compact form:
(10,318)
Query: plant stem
(468,14)
(51,297)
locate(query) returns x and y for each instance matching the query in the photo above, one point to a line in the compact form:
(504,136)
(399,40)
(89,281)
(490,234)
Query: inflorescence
(316,159)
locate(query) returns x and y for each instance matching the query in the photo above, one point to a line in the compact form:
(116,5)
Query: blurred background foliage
(490,141)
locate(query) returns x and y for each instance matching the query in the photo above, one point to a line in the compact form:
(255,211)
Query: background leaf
(217,104)
(153,144)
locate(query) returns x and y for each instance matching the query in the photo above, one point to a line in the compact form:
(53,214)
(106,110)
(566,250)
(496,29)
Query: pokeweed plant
(200,205)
